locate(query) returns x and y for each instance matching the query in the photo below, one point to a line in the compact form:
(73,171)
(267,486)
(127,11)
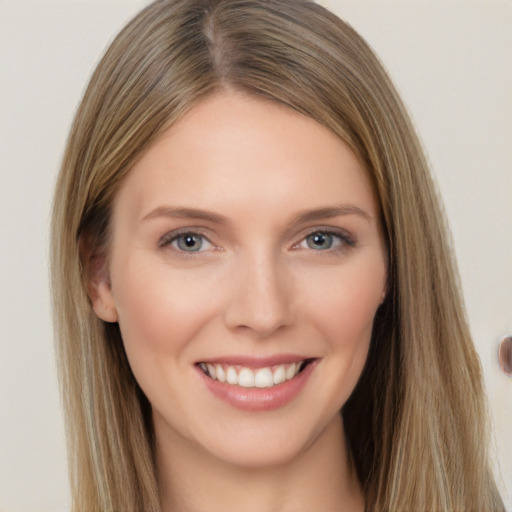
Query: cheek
(344,309)
(159,310)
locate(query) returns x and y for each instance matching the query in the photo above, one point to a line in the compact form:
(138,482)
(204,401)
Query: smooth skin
(247,229)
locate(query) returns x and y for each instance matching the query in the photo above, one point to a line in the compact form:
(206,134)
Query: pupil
(320,241)
(190,241)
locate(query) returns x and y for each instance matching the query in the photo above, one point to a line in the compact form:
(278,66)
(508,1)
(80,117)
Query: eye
(190,242)
(321,241)
(324,241)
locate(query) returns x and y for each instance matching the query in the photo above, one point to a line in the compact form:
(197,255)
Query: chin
(264,444)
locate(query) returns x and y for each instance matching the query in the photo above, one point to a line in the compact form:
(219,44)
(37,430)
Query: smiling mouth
(265,377)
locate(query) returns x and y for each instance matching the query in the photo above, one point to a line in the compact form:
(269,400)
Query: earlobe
(384,293)
(99,287)
(387,286)
(100,293)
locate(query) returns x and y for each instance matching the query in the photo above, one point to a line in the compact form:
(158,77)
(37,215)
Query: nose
(260,301)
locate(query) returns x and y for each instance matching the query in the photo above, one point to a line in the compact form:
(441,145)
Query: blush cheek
(343,310)
(345,314)
(159,314)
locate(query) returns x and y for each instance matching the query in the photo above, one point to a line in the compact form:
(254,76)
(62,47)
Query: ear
(97,274)
(386,288)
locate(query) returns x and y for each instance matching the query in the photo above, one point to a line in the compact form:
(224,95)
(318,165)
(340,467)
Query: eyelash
(345,241)
(174,236)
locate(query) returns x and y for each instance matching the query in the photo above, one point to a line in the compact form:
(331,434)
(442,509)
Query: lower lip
(259,399)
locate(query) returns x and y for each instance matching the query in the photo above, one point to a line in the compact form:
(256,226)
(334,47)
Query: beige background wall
(451,61)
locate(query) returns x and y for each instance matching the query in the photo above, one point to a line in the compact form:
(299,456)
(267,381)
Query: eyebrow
(185,213)
(306,216)
(330,212)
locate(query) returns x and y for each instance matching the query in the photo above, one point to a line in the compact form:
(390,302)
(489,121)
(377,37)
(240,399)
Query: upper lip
(256,362)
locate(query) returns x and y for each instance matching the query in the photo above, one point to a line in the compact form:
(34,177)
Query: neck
(320,478)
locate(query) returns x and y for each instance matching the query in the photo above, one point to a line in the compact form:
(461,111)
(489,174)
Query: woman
(246,240)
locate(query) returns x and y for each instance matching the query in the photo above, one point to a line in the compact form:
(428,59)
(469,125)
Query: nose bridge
(260,300)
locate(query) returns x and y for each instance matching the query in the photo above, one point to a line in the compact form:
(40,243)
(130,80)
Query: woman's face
(246,267)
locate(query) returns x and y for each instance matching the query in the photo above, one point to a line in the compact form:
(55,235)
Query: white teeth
(221,374)
(248,378)
(263,378)
(231,376)
(290,372)
(279,375)
(211,370)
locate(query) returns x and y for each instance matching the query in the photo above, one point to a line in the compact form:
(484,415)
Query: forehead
(234,149)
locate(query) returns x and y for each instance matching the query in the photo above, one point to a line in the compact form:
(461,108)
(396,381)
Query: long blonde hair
(416,422)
